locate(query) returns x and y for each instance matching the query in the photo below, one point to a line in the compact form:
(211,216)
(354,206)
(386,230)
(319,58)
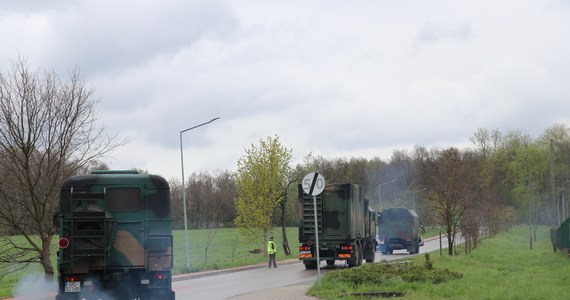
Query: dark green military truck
(115,237)
(346,226)
(399,228)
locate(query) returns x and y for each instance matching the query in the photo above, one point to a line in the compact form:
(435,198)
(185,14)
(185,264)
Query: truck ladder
(88,226)
(309,215)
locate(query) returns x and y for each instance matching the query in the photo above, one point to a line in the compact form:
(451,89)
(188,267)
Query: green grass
(227,249)
(502,267)
(430,231)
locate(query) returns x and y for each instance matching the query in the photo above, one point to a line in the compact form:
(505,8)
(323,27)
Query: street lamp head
(205,123)
(387,182)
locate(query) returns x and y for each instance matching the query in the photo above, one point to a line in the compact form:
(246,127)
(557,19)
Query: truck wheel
(330,262)
(310,265)
(359,253)
(353,261)
(370,255)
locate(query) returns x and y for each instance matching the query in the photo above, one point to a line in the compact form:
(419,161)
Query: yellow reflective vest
(271,249)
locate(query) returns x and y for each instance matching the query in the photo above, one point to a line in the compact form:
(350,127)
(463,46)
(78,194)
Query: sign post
(313,185)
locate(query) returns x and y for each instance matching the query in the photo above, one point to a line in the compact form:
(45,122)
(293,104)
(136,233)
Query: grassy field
(502,267)
(227,249)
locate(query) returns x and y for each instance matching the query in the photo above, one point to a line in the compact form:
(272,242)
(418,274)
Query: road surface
(226,285)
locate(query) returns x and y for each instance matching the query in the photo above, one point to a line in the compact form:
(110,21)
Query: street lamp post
(380,194)
(184,189)
(413,196)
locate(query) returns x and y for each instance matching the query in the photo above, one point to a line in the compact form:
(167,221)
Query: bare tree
(48,132)
(449,177)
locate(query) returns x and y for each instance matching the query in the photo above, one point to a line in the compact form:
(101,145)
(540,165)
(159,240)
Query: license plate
(72,287)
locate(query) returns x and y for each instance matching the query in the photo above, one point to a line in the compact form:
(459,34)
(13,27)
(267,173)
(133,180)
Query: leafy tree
(48,132)
(559,134)
(262,178)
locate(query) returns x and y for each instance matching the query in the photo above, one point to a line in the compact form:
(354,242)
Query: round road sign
(313,184)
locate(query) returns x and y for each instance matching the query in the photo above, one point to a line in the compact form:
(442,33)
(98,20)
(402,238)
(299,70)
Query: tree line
(503,178)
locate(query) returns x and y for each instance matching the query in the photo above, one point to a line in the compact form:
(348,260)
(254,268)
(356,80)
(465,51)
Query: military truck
(115,237)
(346,226)
(399,228)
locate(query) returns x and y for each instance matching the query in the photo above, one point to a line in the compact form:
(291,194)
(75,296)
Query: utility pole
(529,210)
(552,196)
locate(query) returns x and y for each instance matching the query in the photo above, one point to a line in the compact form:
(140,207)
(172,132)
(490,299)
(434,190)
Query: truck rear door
(334,213)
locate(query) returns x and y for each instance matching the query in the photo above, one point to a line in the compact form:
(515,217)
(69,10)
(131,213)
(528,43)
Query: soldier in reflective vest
(271,250)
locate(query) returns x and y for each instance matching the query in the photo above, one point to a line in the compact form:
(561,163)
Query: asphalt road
(238,283)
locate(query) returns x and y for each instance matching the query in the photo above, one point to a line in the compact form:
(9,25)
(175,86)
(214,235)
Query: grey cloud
(104,37)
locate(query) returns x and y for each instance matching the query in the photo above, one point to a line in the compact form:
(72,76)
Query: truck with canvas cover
(115,237)
(399,228)
(345,224)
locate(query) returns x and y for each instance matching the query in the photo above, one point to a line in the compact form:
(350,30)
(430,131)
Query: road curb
(208,273)
(202,274)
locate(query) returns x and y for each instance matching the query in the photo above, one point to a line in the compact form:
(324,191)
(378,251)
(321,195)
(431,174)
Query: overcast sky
(332,78)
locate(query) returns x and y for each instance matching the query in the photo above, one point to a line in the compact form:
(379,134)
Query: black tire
(354,257)
(370,255)
(359,253)
(310,265)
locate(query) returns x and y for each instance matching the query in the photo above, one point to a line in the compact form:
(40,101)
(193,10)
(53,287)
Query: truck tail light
(159,276)
(346,248)
(72,278)
(305,251)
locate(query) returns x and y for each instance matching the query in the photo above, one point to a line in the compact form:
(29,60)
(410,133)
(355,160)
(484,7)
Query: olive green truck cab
(346,226)
(399,228)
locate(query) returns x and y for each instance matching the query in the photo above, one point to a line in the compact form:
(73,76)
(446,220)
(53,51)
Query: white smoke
(35,286)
